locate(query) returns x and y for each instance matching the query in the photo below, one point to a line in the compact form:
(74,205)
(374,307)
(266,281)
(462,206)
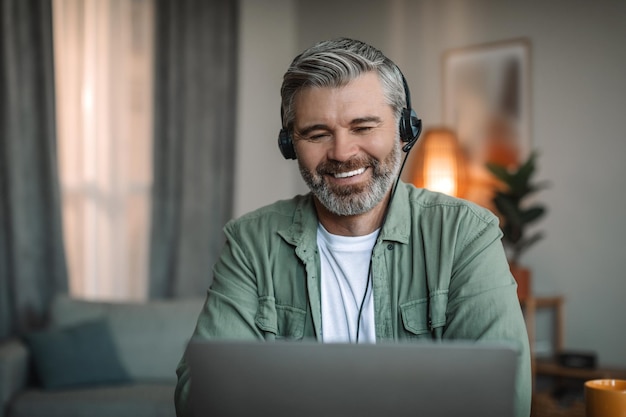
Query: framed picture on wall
(486,99)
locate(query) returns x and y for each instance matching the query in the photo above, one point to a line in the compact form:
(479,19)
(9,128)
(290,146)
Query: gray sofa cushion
(137,400)
(77,355)
(150,337)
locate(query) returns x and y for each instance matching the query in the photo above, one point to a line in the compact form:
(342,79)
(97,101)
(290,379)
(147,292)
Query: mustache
(334,167)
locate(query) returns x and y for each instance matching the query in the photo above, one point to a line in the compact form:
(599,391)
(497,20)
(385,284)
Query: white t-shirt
(345,264)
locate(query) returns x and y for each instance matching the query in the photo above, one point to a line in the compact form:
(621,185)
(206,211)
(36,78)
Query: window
(103,68)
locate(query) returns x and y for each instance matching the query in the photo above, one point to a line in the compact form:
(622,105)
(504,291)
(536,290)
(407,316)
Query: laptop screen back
(348,380)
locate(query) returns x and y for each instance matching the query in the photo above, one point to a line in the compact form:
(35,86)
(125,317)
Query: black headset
(410,128)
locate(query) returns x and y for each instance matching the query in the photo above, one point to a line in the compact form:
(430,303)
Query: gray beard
(354,199)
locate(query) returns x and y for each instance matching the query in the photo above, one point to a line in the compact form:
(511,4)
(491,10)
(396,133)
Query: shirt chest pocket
(421,319)
(283,322)
(414,316)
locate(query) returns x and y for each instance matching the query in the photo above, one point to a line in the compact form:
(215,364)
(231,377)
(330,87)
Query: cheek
(382,147)
(307,157)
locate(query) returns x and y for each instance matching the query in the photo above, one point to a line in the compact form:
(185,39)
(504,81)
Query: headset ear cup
(410,128)
(416,125)
(405,126)
(410,125)
(285,144)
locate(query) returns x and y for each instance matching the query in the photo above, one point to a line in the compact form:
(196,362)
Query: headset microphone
(410,124)
(417,123)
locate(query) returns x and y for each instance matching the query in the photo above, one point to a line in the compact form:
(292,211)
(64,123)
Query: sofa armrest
(14,370)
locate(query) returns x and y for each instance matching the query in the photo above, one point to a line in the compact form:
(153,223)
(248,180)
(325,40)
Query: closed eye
(313,133)
(316,137)
(364,125)
(363,129)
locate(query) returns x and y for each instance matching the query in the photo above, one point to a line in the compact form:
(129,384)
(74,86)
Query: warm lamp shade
(439,163)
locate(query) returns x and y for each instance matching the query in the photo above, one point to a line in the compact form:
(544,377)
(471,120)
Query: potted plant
(516,214)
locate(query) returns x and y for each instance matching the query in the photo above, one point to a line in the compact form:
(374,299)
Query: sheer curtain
(194,138)
(104,58)
(32,260)
(146,177)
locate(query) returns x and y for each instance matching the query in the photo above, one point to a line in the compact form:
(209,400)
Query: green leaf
(508,202)
(522,176)
(532,214)
(499,172)
(526,243)
(508,208)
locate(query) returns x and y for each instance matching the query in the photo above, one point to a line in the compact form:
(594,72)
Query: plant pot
(523,278)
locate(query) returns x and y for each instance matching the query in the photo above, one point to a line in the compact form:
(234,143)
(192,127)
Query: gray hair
(334,63)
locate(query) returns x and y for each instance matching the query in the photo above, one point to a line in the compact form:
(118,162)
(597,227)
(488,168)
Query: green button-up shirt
(438,272)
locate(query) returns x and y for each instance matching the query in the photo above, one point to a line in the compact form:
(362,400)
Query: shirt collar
(398,221)
(304,225)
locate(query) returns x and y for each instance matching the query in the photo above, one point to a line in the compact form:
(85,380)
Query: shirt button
(390,246)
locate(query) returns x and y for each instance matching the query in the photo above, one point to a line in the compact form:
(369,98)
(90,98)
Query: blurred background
(577,101)
(162,120)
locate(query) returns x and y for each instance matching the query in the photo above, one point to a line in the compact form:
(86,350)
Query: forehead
(361,96)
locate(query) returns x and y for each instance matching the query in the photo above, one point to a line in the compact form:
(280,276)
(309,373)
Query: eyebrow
(309,129)
(367,119)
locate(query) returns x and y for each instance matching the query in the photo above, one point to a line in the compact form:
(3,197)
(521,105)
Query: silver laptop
(313,379)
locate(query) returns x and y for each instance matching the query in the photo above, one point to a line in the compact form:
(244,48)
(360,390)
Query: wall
(267,45)
(578,84)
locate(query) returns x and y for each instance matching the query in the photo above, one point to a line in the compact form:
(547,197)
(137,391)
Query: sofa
(98,359)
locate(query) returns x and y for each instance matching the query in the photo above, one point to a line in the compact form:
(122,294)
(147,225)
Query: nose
(342,147)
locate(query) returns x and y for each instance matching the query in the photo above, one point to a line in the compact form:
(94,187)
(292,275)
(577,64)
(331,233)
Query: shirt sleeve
(229,311)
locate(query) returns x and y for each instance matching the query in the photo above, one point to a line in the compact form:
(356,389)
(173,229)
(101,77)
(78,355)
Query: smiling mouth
(349,173)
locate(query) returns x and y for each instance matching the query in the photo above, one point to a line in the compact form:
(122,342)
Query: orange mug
(605,398)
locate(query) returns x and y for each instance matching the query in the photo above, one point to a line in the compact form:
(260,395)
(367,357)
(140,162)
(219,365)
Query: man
(359,259)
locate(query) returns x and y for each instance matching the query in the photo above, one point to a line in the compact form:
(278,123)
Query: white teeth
(350,173)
